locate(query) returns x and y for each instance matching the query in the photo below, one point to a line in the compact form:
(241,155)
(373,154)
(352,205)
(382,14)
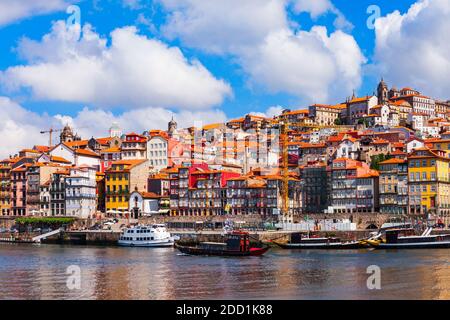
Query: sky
(89,63)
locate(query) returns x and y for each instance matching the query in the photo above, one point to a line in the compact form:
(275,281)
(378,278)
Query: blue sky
(210,62)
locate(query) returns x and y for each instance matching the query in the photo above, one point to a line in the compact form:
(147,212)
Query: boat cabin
(409,236)
(300,238)
(235,241)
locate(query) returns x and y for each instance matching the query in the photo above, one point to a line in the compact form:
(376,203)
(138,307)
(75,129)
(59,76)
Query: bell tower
(382,92)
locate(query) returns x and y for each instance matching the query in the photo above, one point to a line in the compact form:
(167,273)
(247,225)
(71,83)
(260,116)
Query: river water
(40,272)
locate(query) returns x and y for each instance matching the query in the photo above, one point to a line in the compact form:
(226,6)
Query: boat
(146,236)
(299,241)
(237,244)
(407,239)
(396,223)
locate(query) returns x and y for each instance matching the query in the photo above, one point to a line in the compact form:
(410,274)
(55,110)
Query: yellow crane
(284,169)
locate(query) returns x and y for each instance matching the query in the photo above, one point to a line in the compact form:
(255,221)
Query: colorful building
(354,187)
(394,186)
(429,183)
(122,178)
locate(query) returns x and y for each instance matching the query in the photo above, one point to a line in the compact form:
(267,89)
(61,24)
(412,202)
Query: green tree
(376,159)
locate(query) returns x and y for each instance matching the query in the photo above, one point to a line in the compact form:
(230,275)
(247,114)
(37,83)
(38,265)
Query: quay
(110,237)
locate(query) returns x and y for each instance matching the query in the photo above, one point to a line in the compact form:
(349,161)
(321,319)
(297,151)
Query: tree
(338,122)
(376,159)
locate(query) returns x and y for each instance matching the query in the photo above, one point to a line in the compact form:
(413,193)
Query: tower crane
(50,133)
(284,170)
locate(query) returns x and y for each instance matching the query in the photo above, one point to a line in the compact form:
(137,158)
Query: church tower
(382,92)
(172,127)
(67,134)
(115,130)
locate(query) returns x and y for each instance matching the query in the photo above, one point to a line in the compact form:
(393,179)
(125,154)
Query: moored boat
(299,241)
(407,239)
(237,244)
(146,236)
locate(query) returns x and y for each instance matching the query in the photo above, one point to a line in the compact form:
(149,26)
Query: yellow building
(5,183)
(429,184)
(122,178)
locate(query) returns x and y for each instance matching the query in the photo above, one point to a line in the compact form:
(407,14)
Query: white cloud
(133,71)
(413,48)
(132,4)
(21,127)
(270,112)
(317,8)
(13,10)
(310,65)
(223,26)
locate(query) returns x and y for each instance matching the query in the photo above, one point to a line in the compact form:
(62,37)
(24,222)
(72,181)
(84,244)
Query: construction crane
(50,133)
(51,130)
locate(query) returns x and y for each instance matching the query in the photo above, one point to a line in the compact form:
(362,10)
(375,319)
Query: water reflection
(30,272)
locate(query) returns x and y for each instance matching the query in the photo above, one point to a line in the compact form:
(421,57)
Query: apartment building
(354,187)
(122,178)
(394,186)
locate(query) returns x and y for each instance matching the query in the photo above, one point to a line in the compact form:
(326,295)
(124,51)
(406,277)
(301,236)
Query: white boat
(146,236)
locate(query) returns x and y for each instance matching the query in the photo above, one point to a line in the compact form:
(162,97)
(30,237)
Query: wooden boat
(407,239)
(237,244)
(298,241)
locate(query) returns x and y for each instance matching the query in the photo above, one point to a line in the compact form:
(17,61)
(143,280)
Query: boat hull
(320,246)
(146,244)
(224,253)
(419,245)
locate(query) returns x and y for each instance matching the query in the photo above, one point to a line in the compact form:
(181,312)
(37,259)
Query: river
(40,272)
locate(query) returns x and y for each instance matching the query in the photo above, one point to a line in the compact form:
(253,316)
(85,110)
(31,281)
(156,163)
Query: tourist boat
(299,241)
(146,236)
(237,244)
(407,239)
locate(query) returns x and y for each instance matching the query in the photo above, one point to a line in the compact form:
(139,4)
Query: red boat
(237,244)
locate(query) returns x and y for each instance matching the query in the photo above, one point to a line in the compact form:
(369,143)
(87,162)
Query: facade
(58,193)
(108,156)
(429,183)
(121,179)
(144,204)
(200,191)
(134,147)
(354,187)
(359,107)
(5,187)
(44,196)
(80,192)
(324,115)
(315,187)
(310,152)
(19,191)
(158,152)
(260,194)
(394,186)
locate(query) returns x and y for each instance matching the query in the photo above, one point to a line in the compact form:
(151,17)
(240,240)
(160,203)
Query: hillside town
(383,153)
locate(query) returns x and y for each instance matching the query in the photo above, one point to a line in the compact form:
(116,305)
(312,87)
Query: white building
(134,147)
(157,152)
(78,157)
(348,148)
(144,203)
(359,107)
(414,144)
(81,197)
